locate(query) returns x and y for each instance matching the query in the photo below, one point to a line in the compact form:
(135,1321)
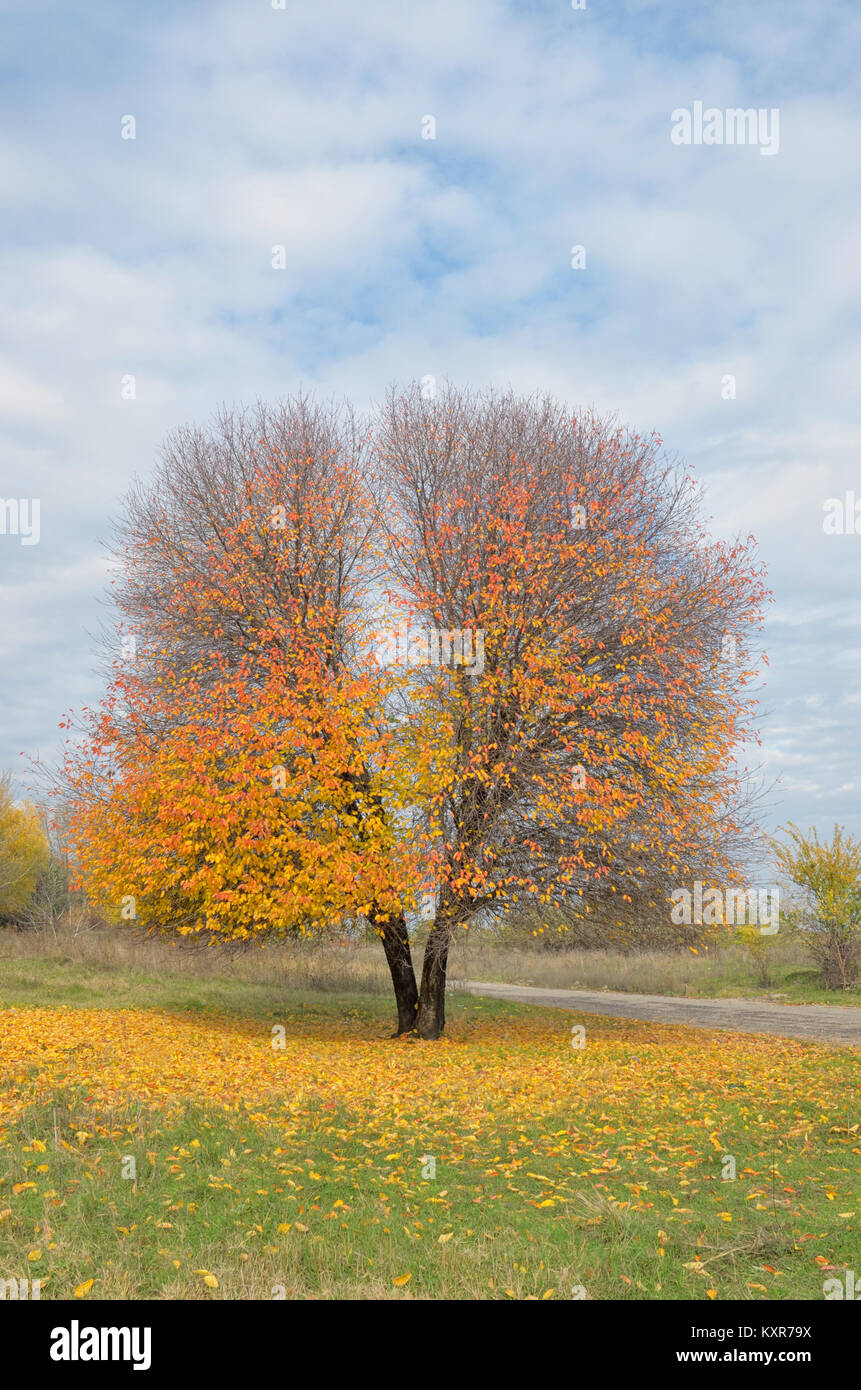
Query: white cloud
(302,127)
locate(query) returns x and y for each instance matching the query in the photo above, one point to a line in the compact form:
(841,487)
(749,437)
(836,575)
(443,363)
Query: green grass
(212,1189)
(50,981)
(146,1239)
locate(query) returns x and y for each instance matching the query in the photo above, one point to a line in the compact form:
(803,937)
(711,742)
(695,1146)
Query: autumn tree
(237,780)
(594,742)
(476,648)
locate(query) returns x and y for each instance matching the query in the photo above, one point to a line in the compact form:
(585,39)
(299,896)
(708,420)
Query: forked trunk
(396,944)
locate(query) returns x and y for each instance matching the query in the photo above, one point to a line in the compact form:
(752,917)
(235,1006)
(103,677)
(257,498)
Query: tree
(595,744)
(24,853)
(238,779)
(829,877)
(481,638)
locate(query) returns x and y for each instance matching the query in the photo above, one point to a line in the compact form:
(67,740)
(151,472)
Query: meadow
(175,1125)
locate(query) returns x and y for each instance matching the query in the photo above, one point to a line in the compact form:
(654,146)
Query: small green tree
(760,947)
(829,877)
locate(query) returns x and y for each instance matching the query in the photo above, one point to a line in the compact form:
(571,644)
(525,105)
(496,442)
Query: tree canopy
(471,650)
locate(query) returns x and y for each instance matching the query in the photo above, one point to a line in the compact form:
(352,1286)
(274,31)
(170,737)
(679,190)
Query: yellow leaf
(34,1255)
(712,1293)
(401,1280)
(548,1293)
(283,1228)
(549,1203)
(84,1288)
(448,1235)
(7,1211)
(299,1226)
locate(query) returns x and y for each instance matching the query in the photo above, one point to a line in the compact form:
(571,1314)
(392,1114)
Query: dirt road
(814,1022)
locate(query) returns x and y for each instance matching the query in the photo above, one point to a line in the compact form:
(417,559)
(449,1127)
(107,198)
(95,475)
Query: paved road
(816,1022)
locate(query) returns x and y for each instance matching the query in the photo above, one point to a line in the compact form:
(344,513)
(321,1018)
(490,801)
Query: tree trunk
(431,1013)
(396,944)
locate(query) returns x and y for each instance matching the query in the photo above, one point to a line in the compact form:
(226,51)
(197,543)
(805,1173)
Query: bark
(431,1011)
(396,944)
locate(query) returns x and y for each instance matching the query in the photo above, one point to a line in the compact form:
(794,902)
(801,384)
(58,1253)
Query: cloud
(258,127)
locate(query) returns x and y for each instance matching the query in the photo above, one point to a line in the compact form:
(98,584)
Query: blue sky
(405,256)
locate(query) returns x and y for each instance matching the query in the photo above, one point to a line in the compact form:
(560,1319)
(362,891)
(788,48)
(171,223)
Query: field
(159,1140)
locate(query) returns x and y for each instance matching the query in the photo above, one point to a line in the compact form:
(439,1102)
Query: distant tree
(24,853)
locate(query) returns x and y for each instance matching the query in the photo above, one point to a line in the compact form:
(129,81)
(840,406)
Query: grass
(304,1170)
(115,967)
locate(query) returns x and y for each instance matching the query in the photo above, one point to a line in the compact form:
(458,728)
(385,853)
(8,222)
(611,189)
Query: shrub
(830,911)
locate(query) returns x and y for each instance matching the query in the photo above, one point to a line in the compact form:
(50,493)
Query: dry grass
(344,966)
(331,966)
(722,971)
(644,972)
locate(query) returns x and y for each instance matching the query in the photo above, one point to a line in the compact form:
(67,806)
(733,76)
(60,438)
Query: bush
(830,912)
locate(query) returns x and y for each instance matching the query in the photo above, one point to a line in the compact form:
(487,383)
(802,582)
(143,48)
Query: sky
(428,170)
